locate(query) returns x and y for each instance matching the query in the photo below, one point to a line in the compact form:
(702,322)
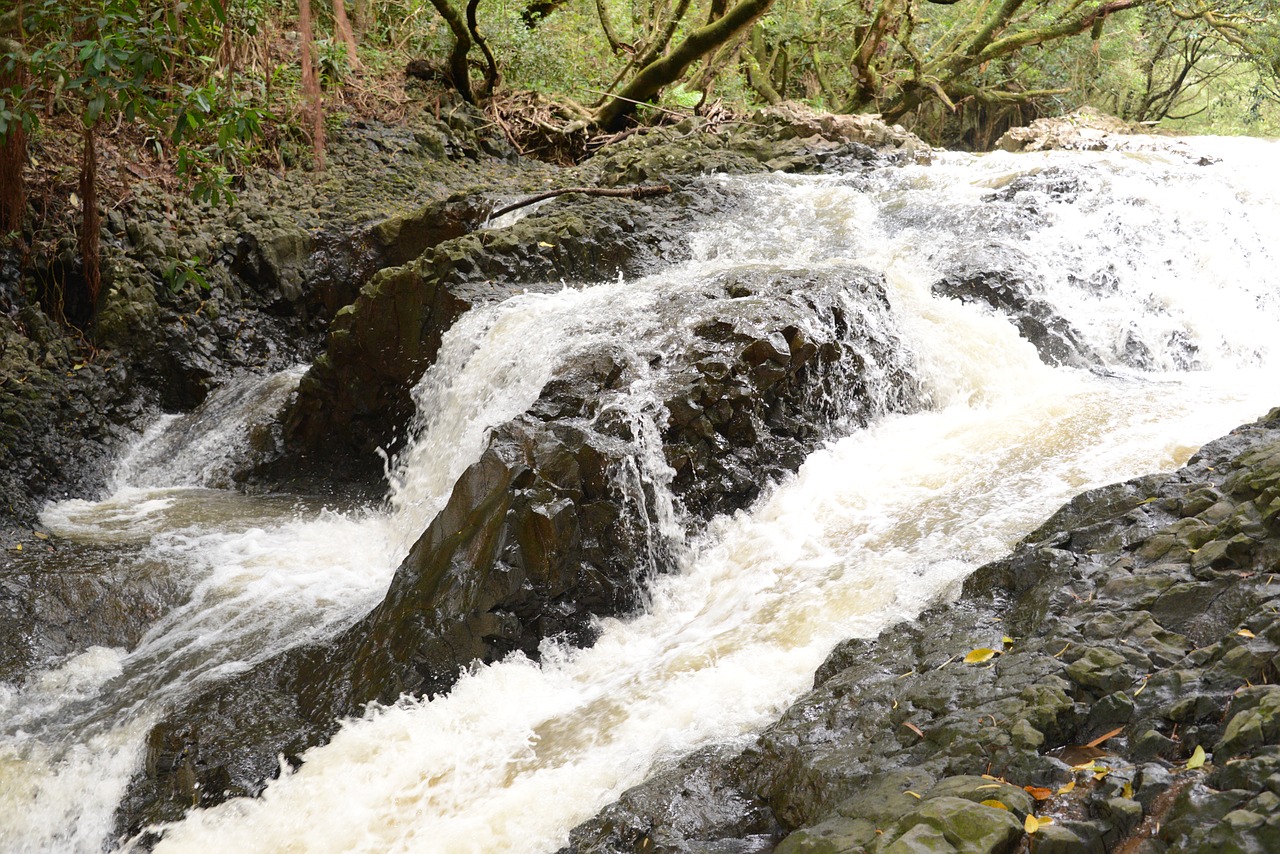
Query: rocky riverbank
(1105,687)
(262,279)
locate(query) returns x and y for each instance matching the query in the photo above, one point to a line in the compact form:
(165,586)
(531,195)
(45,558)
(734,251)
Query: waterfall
(1163,274)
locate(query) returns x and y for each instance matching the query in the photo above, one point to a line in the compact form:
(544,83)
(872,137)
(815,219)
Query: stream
(1168,272)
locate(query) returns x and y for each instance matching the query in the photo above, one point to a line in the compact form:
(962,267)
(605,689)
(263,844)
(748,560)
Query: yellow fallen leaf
(912,794)
(18,547)
(1245,633)
(979,655)
(1100,773)
(1141,687)
(542,244)
(1197,758)
(41,535)
(991,786)
(1031,825)
(1008,641)
(994,804)
(1067,789)
(1044,819)
(1127,791)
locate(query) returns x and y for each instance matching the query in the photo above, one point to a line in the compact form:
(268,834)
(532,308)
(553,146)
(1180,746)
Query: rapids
(1144,253)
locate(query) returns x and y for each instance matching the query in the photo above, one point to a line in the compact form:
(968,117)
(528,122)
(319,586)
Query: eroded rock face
(356,398)
(558,521)
(1144,607)
(793,120)
(1087,129)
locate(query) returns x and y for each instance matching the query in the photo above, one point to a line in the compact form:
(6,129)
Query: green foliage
(186,272)
(565,54)
(334,65)
(141,60)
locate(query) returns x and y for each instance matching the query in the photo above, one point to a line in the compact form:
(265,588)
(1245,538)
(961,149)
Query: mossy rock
(965,827)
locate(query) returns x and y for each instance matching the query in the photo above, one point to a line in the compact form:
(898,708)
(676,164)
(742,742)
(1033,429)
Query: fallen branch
(616,192)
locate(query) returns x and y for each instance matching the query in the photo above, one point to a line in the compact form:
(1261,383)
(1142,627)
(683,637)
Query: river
(1167,269)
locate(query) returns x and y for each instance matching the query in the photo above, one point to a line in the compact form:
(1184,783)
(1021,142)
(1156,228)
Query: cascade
(1156,291)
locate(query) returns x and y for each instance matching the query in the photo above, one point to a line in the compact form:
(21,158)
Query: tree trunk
(364,15)
(459,73)
(311,83)
(668,69)
(345,33)
(606,24)
(756,64)
(492,77)
(13,159)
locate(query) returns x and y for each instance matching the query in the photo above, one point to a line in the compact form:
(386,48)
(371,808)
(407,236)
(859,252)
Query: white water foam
(872,529)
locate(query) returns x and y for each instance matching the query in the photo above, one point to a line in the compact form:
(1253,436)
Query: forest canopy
(209,73)
(208,87)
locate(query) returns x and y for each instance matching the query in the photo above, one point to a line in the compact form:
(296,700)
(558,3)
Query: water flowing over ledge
(1161,271)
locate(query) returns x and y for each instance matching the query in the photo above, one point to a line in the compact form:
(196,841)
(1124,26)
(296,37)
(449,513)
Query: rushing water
(1146,254)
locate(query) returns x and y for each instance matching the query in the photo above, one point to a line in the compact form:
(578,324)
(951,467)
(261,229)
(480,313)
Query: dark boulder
(558,521)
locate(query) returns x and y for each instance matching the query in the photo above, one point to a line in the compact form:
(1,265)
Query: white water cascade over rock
(1019,328)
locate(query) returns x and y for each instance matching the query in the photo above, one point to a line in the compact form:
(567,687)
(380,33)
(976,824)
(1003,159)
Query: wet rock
(51,388)
(788,137)
(953,824)
(557,523)
(1255,722)
(192,294)
(793,120)
(58,599)
(1188,674)
(693,793)
(356,399)
(1085,129)
(1054,338)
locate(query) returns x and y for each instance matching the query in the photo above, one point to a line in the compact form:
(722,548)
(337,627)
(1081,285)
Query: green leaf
(93,111)
(1197,758)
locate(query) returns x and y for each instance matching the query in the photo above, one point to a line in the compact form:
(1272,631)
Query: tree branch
(643,192)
